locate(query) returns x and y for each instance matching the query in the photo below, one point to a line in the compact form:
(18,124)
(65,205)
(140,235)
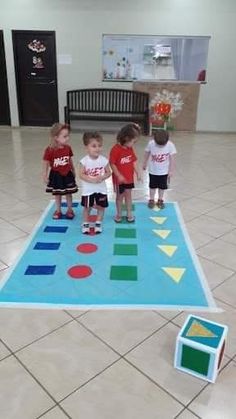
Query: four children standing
(94,169)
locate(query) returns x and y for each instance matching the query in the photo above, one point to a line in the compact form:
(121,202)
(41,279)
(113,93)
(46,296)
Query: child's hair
(55,131)
(128,133)
(92,135)
(161,137)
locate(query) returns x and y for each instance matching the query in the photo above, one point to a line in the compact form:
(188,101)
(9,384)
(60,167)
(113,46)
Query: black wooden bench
(108,105)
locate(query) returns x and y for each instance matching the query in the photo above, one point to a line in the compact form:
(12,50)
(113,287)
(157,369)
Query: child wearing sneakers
(94,169)
(58,169)
(159,154)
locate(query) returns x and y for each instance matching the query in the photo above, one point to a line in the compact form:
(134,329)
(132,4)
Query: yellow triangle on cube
(175,273)
(162,233)
(168,250)
(198,330)
(158,220)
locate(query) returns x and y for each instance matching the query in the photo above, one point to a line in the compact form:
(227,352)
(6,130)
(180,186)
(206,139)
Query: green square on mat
(195,360)
(125,249)
(125,233)
(124,207)
(124,273)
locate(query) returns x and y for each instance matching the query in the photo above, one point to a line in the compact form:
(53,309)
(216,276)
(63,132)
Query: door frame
(8,119)
(15,32)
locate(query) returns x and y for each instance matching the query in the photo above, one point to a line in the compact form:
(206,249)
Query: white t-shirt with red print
(94,167)
(159,159)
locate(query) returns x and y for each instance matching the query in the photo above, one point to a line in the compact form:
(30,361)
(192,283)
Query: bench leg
(146,127)
(66,115)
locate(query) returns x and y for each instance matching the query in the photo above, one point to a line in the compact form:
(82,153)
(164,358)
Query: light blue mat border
(211,303)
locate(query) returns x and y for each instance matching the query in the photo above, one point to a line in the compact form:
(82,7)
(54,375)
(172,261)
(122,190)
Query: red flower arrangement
(160,115)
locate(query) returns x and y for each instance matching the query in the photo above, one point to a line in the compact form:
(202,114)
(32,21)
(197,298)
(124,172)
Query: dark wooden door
(4,97)
(36,77)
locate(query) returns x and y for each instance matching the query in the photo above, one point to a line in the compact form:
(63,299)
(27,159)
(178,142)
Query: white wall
(79,25)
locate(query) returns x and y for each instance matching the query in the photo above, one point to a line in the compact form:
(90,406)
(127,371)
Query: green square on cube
(200,347)
(195,360)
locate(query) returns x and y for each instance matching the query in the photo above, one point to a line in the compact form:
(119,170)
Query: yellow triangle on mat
(175,273)
(156,209)
(158,220)
(198,330)
(162,233)
(168,250)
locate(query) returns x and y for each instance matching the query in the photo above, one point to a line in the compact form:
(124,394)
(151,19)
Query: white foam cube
(200,347)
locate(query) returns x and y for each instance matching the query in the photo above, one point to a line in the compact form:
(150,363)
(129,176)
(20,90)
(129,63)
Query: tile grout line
(135,346)
(207,385)
(41,337)
(134,366)
(37,381)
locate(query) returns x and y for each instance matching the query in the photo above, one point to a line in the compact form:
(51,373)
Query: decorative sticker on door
(37,62)
(36,46)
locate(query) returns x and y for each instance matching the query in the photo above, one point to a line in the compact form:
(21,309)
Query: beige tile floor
(117,364)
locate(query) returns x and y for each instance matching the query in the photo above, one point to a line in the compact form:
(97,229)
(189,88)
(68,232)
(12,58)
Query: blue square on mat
(55,229)
(40,270)
(46,246)
(74,204)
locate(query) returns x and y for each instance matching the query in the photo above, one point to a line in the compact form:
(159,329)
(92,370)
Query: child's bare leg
(100,214)
(152,193)
(69,201)
(128,203)
(161,194)
(58,202)
(69,213)
(98,224)
(86,213)
(85,225)
(160,202)
(119,201)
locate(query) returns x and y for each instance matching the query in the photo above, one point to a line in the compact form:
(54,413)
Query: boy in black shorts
(159,154)
(94,169)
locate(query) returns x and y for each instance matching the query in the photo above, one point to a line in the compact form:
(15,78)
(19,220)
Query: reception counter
(188,94)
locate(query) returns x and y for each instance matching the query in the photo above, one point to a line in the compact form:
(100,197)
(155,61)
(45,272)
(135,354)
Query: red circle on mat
(87,248)
(79,271)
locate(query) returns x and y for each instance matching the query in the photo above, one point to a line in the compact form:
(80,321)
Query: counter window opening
(147,57)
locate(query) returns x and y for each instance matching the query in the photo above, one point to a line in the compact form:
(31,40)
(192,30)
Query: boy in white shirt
(159,154)
(94,169)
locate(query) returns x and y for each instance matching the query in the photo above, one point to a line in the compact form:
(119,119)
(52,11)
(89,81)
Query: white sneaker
(85,228)
(98,228)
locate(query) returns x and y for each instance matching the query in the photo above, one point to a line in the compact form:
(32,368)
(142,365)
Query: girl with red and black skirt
(58,169)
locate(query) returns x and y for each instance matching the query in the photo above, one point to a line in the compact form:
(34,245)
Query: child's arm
(72,167)
(83,176)
(145,159)
(107,173)
(46,167)
(171,165)
(116,172)
(136,170)
(94,179)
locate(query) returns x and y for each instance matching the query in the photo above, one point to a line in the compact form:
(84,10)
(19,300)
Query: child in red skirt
(58,169)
